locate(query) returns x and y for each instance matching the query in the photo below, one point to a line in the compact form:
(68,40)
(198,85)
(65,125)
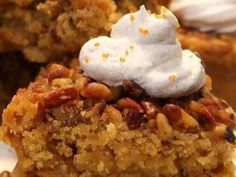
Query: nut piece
(218,132)
(116,92)
(57,71)
(60,82)
(60,96)
(188,121)
(178,117)
(173,113)
(164,130)
(213,110)
(132,88)
(5,174)
(97,91)
(149,109)
(81,82)
(128,103)
(114,116)
(133,118)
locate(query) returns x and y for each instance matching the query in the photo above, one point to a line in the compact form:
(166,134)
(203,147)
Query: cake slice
(106,117)
(208,27)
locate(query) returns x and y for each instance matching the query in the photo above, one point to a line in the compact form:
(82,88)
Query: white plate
(8,158)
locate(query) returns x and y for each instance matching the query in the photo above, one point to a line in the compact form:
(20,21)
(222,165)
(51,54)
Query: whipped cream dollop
(207,15)
(143,48)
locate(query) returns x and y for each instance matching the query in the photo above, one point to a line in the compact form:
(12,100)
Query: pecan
(187,121)
(5,174)
(114,115)
(97,91)
(149,109)
(57,71)
(60,96)
(81,82)
(133,118)
(201,110)
(173,112)
(132,88)
(128,103)
(116,92)
(60,82)
(164,130)
(212,110)
(178,117)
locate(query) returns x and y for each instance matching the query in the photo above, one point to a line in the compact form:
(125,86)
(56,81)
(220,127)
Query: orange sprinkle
(122,59)
(132,18)
(86,61)
(191,57)
(97,44)
(172,78)
(145,32)
(105,55)
(158,16)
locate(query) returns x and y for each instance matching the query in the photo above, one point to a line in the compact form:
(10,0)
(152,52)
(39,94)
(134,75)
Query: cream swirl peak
(143,48)
(207,15)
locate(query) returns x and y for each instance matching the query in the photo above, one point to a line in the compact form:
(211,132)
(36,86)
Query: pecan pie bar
(66,124)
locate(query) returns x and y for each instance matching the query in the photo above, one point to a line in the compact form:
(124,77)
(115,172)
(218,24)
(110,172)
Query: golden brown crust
(219,54)
(65,124)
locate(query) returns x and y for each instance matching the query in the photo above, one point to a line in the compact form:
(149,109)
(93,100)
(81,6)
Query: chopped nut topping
(145,32)
(164,130)
(149,108)
(57,71)
(133,118)
(97,91)
(132,88)
(60,96)
(128,103)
